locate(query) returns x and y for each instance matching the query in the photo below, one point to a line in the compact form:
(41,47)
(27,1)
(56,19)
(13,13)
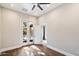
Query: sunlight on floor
(32,50)
(42,53)
(34,47)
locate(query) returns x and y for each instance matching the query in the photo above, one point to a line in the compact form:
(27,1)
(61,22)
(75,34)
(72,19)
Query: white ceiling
(27,8)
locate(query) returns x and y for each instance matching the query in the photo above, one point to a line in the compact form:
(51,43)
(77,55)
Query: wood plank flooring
(32,50)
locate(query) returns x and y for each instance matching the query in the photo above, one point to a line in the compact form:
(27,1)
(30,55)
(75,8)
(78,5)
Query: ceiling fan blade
(40,7)
(33,7)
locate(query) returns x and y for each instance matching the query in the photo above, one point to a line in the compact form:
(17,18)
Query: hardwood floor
(32,50)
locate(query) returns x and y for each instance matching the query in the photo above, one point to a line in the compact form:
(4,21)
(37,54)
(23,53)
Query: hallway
(32,50)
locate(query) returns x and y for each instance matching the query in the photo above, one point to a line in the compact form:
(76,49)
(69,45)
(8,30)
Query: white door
(38,34)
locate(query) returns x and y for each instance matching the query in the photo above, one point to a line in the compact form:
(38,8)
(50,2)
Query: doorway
(28,33)
(34,34)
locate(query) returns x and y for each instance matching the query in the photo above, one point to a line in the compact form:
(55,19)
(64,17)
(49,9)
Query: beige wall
(10,28)
(63,28)
(0,28)
(12,23)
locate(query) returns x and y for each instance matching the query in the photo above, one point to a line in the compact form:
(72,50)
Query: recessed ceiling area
(33,9)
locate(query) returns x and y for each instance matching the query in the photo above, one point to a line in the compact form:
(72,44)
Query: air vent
(24,9)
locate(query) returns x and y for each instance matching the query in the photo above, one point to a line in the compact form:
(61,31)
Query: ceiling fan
(38,5)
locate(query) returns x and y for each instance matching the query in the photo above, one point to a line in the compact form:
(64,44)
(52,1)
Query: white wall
(63,28)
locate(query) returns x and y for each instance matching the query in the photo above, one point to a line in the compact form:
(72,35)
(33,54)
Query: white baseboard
(60,51)
(10,48)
